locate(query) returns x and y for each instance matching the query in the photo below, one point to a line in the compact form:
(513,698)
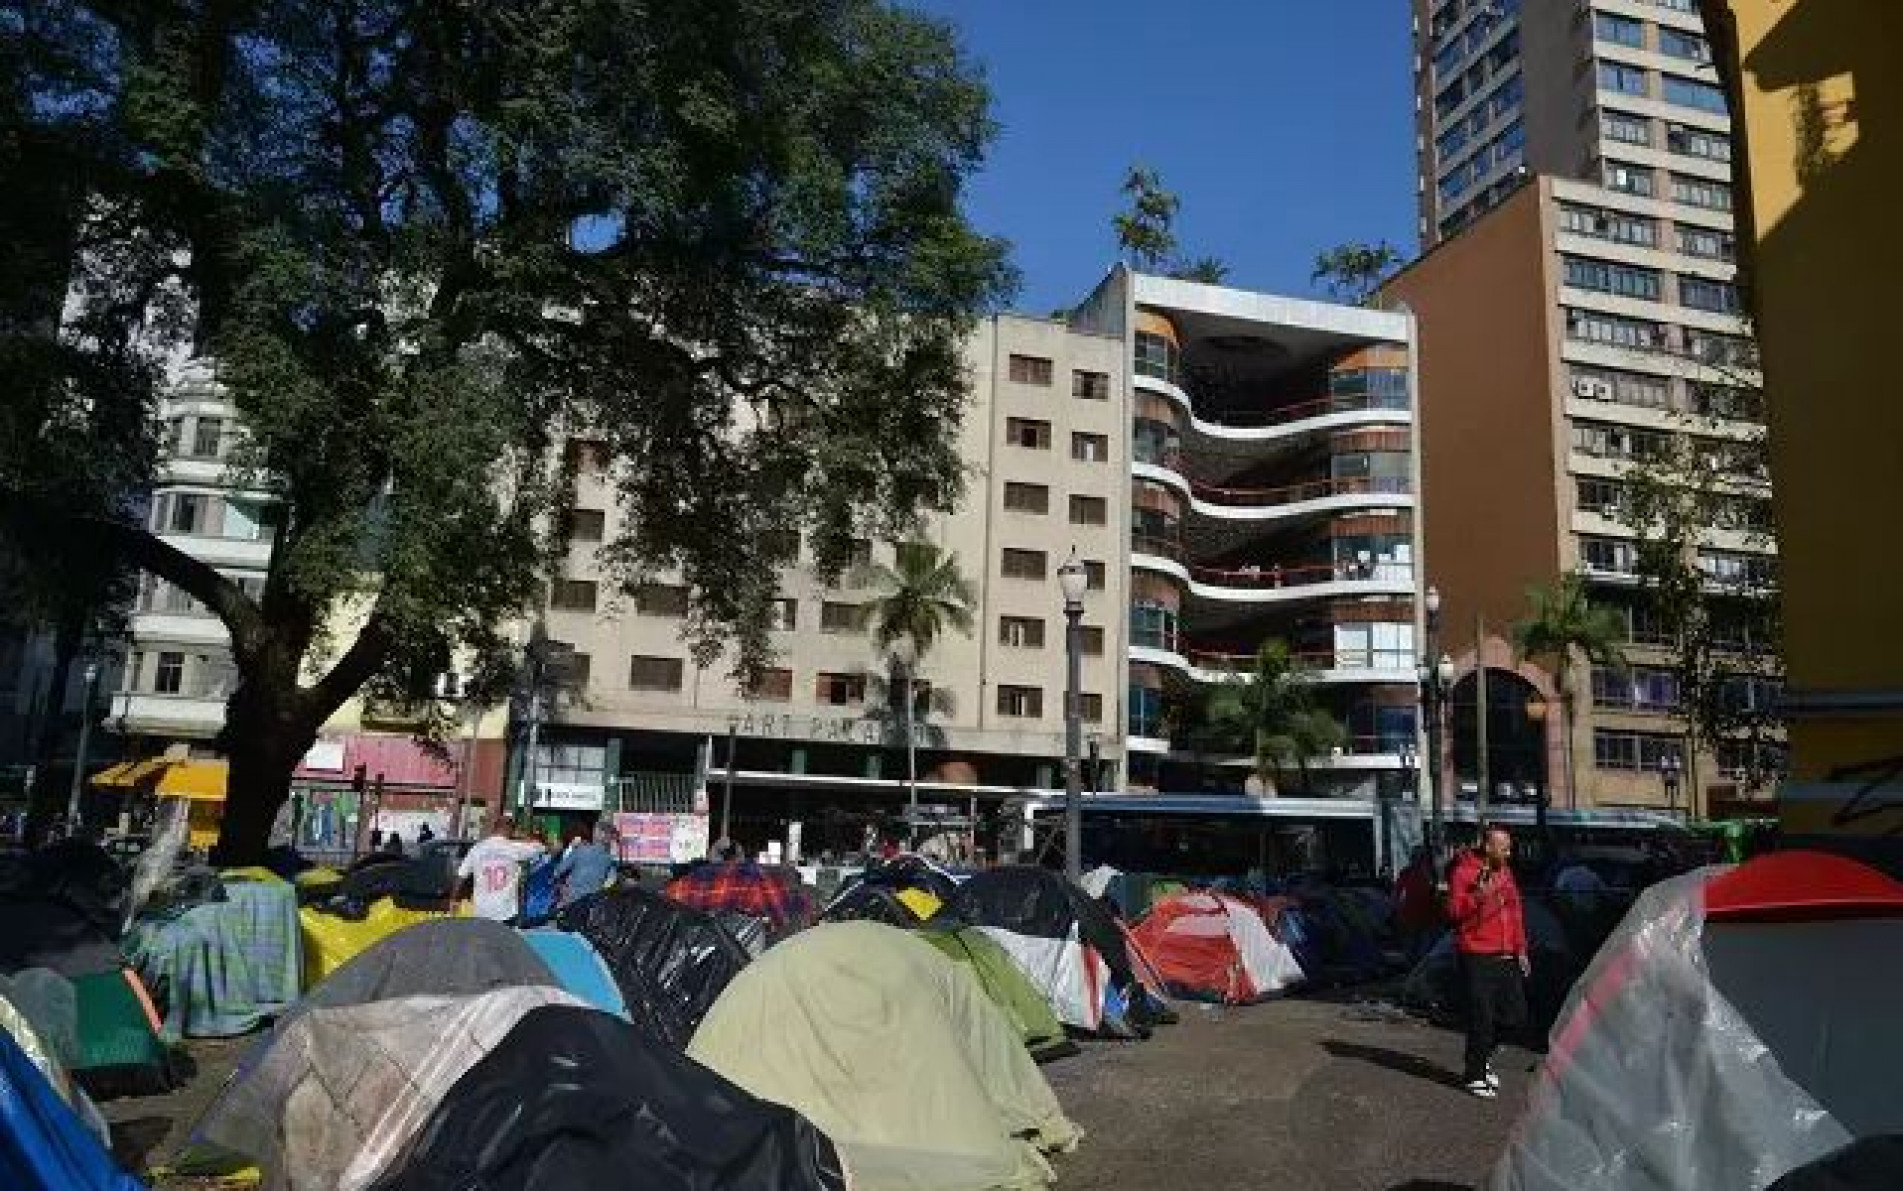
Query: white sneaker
(1493,1078)
(1482,1089)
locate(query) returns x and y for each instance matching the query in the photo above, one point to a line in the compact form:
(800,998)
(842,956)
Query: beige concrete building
(1046,437)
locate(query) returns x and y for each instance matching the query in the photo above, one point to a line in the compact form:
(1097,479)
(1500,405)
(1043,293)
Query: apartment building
(1046,439)
(1272,497)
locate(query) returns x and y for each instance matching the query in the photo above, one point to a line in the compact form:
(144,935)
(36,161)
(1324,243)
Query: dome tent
(1211,947)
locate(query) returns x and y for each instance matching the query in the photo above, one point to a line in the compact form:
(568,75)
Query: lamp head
(1073,580)
(1445,670)
(1433,601)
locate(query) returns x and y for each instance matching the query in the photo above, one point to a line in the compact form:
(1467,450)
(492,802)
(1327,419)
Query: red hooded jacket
(1487,918)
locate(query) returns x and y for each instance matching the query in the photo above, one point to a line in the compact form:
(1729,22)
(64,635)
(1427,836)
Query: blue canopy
(43,1145)
(579,968)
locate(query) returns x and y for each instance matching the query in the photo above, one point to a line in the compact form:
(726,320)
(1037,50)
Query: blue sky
(1285,126)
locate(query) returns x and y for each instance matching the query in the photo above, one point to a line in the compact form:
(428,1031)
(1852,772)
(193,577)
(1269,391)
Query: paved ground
(1311,1094)
(1317,1095)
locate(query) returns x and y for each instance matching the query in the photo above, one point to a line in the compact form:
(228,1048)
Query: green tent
(1014,995)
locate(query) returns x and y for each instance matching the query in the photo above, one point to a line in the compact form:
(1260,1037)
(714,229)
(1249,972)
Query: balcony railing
(1261,578)
(1170,548)
(1301,411)
(1298,493)
(1320,659)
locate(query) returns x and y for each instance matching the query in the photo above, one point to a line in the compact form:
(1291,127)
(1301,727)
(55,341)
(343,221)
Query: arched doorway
(1516,742)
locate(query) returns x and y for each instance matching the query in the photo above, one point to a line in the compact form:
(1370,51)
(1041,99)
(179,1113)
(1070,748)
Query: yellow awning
(127,775)
(197,781)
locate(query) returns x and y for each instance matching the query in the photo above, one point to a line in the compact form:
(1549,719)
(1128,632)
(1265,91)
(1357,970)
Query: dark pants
(1496,1000)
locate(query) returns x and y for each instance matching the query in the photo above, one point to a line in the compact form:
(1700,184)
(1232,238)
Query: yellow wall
(1818,85)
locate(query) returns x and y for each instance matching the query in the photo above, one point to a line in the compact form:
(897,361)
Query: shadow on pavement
(1393,1060)
(134,1140)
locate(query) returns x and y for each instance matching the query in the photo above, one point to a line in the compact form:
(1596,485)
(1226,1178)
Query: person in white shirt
(494,866)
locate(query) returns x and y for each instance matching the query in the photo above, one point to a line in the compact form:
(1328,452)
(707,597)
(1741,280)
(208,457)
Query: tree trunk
(49,795)
(263,742)
(1572,793)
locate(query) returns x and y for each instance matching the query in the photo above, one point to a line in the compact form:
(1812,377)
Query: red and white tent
(1212,947)
(1739,1024)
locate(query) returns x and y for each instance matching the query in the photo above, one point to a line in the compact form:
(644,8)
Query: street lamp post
(1671,768)
(1435,671)
(1073,580)
(905,656)
(1410,768)
(91,677)
(1536,711)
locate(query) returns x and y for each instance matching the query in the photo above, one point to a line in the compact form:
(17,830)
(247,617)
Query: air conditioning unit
(1596,387)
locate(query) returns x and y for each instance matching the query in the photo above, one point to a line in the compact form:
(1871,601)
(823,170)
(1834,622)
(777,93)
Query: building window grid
(1618,30)
(1703,193)
(1030,370)
(1027,498)
(1089,510)
(1637,389)
(1691,93)
(838,617)
(1021,632)
(1089,448)
(773,685)
(1625,128)
(1614,226)
(649,673)
(660,599)
(1089,386)
(1698,142)
(1638,751)
(1627,178)
(833,689)
(1706,243)
(1029,433)
(1015,563)
(1021,702)
(1622,79)
(1717,297)
(572,595)
(1590,326)
(1608,277)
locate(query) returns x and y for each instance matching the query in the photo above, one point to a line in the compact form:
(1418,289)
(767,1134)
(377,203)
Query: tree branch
(148,552)
(359,665)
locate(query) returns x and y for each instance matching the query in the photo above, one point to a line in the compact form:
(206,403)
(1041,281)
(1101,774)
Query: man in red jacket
(1490,936)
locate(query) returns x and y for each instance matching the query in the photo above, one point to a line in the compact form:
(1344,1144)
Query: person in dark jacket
(1490,936)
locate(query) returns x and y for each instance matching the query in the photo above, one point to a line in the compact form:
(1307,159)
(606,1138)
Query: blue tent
(578,967)
(43,1146)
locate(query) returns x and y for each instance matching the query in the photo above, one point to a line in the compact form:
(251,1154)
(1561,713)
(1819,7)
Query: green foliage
(1562,624)
(1206,269)
(1271,714)
(1146,234)
(920,598)
(1353,272)
(422,241)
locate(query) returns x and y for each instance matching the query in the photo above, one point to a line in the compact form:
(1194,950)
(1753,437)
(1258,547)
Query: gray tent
(441,957)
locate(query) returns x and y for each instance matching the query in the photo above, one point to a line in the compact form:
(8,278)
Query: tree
(1206,269)
(1562,624)
(421,242)
(1352,272)
(1271,714)
(1146,233)
(918,600)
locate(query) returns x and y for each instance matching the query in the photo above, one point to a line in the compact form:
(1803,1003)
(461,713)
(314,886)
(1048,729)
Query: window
(1023,564)
(1640,688)
(1604,441)
(1028,433)
(1675,43)
(1157,356)
(654,674)
(576,673)
(1703,241)
(1711,347)
(168,677)
(1617,76)
(1720,297)
(572,595)
(1701,192)
(1089,510)
(660,599)
(1090,386)
(1629,179)
(1639,389)
(1609,556)
(1697,142)
(1089,448)
(1021,632)
(1589,326)
(839,690)
(588,456)
(1627,281)
(187,512)
(586,525)
(1030,370)
(1615,226)
(1625,128)
(571,764)
(836,617)
(774,686)
(1093,575)
(1727,401)
(1738,570)
(1693,94)
(208,438)
(1640,751)
(1090,708)
(1021,702)
(1027,498)
(1093,640)
(784,616)
(1618,30)
(1598,496)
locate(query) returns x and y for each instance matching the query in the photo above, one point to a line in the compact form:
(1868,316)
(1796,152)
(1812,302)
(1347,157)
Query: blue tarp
(579,968)
(43,1145)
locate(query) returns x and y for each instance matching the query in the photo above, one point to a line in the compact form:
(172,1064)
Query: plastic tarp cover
(896,1054)
(223,968)
(44,1146)
(440,957)
(48,1001)
(577,967)
(341,1091)
(577,1099)
(1213,947)
(1714,1054)
(331,940)
(1007,986)
(119,1048)
(670,962)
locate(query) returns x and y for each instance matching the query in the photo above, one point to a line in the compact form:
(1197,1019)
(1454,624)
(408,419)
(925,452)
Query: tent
(44,1146)
(577,1099)
(1739,1024)
(1007,986)
(445,957)
(1212,947)
(338,1092)
(1067,943)
(670,961)
(331,940)
(895,1053)
(577,967)
(223,968)
(901,892)
(743,887)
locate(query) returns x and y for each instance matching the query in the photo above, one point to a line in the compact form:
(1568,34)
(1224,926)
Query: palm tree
(1562,624)
(918,599)
(1271,713)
